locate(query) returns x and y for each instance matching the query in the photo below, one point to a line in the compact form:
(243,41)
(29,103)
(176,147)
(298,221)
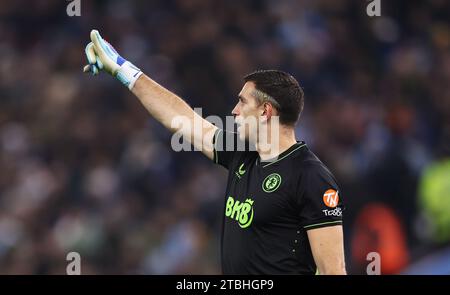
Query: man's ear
(268,111)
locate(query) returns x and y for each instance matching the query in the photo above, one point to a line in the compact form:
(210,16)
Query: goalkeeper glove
(102,56)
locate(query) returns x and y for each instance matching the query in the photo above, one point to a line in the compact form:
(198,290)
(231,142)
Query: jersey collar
(283,155)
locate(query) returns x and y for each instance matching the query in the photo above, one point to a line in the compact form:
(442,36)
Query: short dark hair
(284,89)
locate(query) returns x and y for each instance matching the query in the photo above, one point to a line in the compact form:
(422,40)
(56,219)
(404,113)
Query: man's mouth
(238,128)
(238,125)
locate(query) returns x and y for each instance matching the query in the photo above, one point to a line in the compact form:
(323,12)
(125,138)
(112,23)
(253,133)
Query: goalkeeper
(282,207)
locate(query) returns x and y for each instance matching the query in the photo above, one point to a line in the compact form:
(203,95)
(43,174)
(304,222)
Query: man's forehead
(247,89)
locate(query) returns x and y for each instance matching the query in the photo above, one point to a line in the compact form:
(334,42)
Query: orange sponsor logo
(331,198)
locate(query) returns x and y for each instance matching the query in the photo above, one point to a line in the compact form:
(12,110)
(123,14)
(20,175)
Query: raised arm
(165,106)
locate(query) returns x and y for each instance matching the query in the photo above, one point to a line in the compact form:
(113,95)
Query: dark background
(84,168)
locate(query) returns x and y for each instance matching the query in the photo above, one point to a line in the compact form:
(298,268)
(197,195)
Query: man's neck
(273,149)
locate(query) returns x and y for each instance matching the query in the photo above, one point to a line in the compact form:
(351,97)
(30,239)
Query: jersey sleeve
(226,146)
(318,198)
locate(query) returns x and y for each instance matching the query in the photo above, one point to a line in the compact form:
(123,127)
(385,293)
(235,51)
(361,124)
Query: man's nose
(235,111)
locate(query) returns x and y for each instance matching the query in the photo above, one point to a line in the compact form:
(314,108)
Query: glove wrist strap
(128,74)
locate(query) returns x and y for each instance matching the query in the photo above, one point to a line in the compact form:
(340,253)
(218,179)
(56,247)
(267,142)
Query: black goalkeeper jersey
(269,206)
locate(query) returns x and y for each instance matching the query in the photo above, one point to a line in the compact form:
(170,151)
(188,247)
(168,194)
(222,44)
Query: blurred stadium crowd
(84,168)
